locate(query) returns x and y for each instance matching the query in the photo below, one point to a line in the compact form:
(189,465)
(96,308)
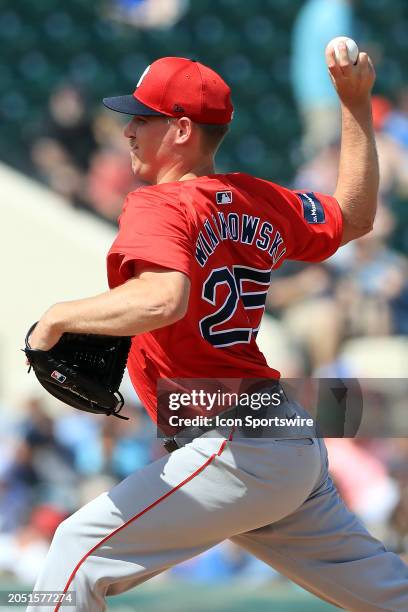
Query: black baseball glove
(83,370)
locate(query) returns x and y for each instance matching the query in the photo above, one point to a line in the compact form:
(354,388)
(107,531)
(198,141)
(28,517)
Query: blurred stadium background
(64,172)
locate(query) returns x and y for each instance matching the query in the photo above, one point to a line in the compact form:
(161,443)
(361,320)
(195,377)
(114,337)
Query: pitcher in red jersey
(188,276)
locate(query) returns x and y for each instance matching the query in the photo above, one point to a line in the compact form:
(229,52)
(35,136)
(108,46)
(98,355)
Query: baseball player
(188,275)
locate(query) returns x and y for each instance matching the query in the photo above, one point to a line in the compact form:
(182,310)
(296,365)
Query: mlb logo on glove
(58,376)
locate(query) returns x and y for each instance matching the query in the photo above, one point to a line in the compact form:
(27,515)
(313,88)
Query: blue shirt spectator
(317,23)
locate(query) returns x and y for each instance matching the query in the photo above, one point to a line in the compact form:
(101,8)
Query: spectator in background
(361,291)
(317,23)
(319,172)
(307,294)
(106,447)
(373,285)
(398,524)
(149,14)
(43,461)
(84,161)
(363,481)
(224,563)
(61,155)
(392,156)
(396,124)
(22,551)
(110,175)
(15,497)
(70,124)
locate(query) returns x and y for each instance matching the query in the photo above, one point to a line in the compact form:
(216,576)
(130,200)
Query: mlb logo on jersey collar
(223,197)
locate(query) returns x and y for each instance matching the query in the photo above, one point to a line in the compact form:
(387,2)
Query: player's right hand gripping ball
(352,48)
(83,370)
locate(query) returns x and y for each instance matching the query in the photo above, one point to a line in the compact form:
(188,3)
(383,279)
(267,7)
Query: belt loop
(170,444)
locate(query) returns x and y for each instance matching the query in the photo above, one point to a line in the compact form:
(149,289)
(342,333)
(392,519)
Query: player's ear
(184,129)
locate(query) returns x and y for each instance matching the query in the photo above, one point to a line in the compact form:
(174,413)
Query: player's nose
(128,130)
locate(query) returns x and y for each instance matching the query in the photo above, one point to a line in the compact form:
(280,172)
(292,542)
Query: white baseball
(352,48)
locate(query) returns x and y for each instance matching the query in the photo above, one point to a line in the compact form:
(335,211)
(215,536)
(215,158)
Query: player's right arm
(357,185)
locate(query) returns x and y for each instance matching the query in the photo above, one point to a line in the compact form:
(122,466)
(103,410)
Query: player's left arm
(154,298)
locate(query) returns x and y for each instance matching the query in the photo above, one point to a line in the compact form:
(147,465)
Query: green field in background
(182,597)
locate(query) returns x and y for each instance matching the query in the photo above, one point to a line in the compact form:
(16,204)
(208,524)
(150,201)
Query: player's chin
(142,171)
(137,166)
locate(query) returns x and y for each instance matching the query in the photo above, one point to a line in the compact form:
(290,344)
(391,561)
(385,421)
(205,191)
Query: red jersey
(227,233)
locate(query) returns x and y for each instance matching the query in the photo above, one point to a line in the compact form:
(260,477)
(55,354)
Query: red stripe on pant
(160,499)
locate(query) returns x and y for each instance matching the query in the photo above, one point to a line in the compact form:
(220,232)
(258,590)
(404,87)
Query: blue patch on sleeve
(313,210)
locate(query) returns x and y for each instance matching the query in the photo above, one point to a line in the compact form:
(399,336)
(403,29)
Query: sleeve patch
(313,210)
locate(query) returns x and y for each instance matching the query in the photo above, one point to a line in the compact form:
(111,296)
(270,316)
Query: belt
(286,409)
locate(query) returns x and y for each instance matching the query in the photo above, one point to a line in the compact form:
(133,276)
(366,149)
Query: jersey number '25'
(251,300)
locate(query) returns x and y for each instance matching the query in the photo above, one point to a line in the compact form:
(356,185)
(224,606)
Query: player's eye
(140,121)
